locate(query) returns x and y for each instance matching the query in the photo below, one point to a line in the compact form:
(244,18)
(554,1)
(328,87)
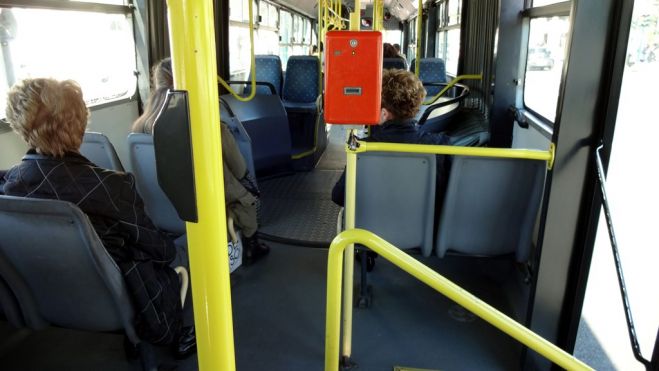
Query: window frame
(444,26)
(87,7)
(559,9)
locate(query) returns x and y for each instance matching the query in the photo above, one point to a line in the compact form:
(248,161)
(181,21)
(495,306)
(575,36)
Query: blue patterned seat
(268,69)
(394,63)
(301,83)
(431,70)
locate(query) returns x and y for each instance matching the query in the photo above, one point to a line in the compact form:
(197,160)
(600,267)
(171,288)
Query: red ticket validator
(353,77)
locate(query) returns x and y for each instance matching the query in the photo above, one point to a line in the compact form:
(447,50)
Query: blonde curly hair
(49,115)
(402,93)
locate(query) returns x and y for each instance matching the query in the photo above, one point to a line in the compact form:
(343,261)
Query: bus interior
(539,75)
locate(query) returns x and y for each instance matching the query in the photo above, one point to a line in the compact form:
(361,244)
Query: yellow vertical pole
(194,64)
(419,21)
(321,51)
(351,182)
(374,26)
(355,17)
(378,21)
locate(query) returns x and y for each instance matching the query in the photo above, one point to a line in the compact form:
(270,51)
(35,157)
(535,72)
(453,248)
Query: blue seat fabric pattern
(268,69)
(301,82)
(432,70)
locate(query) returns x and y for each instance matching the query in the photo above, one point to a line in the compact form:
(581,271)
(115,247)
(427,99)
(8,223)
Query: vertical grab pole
(351,181)
(191,28)
(419,21)
(355,21)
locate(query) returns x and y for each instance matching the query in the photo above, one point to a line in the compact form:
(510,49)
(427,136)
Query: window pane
(441,15)
(263,12)
(286,28)
(544,63)
(266,42)
(546,2)
(452,51)
(297,29)
(111,2)
(274,17)
(51,43)
(307,32)
(392,36)
(454,12)
(236,10)
(239,50)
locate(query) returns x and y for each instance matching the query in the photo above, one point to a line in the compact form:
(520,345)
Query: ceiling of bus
(400,9)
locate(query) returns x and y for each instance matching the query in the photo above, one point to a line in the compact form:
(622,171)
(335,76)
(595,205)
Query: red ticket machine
(353,77)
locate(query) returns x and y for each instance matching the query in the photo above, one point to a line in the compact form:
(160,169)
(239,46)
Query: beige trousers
(241,204)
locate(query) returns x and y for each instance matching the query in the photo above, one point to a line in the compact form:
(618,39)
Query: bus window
(411,31)
(267,39)
(544,63)
(392,37)
(285,36)
(97,50)
(239,53)
(545,2)
(448,34)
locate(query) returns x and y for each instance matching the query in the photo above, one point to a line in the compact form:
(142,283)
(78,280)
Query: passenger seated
(397,47)
(240,190)
(392,58)
(51,116)
(402,94)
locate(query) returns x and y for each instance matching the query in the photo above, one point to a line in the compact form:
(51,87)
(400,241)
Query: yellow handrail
(194,66)
(355,146)
(252,69)
(349,213)
(434,280)
(419,20)
(449,86)
(528,154)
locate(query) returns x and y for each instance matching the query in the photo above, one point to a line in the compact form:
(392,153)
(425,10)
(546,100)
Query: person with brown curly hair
(402,95)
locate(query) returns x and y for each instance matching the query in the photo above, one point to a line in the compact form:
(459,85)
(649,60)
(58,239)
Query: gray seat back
(396,63)
(58,268)
(491,206)
(395,197)
(157,205)
(97,148)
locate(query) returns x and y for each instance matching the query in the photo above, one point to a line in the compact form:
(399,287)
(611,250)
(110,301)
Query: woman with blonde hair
(51,117)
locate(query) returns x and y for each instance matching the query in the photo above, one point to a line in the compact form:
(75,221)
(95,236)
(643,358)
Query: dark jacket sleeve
(339,190)
(145,240)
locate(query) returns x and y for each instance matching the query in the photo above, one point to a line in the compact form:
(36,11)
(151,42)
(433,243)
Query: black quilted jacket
(116,211)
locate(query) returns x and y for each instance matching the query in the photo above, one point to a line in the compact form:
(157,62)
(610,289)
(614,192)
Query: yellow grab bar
(528,154)
(191,25)
(432,279)
(449,86)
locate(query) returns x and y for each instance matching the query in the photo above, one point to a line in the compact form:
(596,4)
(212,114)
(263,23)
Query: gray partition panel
(395,197)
